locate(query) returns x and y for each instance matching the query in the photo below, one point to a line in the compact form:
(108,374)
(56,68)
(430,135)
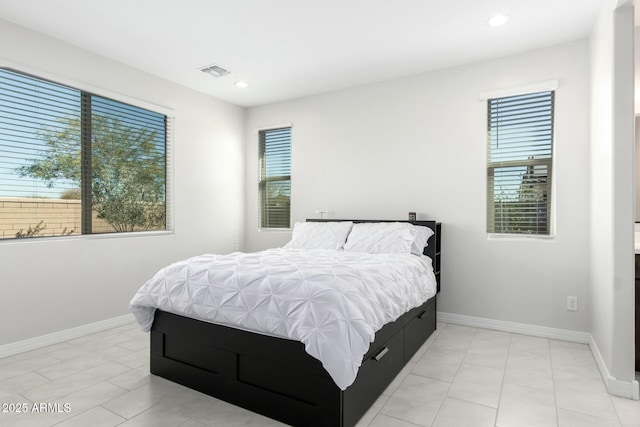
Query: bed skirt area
(275,376)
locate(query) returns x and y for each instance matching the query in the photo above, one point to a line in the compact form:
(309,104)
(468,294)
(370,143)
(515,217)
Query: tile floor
(461,377)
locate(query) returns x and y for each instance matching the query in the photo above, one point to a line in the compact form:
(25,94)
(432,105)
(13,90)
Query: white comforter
(332,301)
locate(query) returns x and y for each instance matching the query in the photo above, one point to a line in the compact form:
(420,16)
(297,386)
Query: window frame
(263,181)
(85,88)
(529,89)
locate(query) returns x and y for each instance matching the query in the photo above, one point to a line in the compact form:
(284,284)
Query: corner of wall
(615,387)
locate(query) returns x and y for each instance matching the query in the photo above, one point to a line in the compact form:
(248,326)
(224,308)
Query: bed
(276,376)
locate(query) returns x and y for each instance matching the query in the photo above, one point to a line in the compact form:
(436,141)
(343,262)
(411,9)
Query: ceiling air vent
(215,71)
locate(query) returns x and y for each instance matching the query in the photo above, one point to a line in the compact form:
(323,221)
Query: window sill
(521,237)
(133,234)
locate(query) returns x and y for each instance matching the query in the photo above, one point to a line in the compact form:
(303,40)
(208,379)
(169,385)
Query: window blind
(275,178)
(72,162)
(519,166)
(127,174)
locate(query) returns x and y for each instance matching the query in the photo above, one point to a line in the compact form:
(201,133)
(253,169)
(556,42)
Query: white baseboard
(62,336)
(517,328)
(630,390)
(627,389)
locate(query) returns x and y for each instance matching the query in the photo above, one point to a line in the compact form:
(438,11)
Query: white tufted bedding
(332,301)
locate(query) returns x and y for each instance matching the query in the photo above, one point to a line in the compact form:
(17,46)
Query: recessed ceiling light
(497,20)
(242,84)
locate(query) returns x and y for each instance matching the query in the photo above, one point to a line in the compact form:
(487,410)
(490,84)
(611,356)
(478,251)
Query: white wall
(419,144)
(48,286)
(637,167)
(612,194)
(601,272)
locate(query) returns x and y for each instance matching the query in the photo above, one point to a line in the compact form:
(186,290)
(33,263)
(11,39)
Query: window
(72,162)
(274,189)
(520,155)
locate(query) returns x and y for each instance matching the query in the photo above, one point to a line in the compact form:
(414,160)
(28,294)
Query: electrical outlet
(572,303)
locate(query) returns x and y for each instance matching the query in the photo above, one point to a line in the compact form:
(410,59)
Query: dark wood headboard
(432,250)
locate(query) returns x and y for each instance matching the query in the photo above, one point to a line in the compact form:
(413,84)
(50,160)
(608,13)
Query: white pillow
(422,237)
(381,238)
(319,235)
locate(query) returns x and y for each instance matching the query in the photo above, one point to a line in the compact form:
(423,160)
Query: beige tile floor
(461,377)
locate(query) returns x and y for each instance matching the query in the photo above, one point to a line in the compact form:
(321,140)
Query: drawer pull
(421,315)
(380,354)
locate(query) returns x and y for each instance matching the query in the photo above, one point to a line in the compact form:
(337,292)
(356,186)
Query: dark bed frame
(275,376)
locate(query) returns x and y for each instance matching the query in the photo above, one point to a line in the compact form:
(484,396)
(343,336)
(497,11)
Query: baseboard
(517,328)
(629,390)
(62,336)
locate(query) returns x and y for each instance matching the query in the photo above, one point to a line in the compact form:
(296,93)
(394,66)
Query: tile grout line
(124,419)
(553,382)
(475,332)
(615,408)
(504,374)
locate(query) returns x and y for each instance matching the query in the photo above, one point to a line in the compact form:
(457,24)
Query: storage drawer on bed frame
(375,374)
(419,328)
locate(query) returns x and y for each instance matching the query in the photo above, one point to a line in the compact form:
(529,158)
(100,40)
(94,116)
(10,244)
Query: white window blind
(274,190)
(72,162)
(519,167)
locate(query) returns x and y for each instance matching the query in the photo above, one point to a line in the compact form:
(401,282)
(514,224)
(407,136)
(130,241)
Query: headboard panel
(433,245)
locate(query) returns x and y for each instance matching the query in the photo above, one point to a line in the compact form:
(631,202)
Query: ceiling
(287,49)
